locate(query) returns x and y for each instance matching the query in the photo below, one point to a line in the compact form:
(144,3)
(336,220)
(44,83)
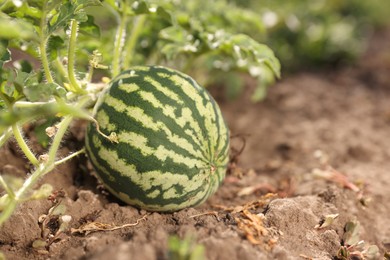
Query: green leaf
(89,27)
(40,131)
(5,54)
(351,235)
(246,51)
(141,7)
(112,3)
(43,192)
(58,210)
(55,43)
(16,29)
(7,118)
(20,81)
(68,11)
(371,253)
(35,91)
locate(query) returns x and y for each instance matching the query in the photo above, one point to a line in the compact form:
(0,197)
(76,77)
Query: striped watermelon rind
(173,141)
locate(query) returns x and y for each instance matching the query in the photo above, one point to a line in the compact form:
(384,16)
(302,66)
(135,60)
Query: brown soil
(337,122)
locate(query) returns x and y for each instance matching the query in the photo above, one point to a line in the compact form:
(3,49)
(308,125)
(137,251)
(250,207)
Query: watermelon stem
(113,138)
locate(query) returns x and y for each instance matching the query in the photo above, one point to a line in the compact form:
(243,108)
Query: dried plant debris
(353,248)
(326,221)
(90,227)
(54,226)
(262,202)
(213,213)
(252,224)
(253,227)
(327,172)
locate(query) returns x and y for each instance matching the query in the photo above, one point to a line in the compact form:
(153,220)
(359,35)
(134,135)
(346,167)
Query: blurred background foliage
(304,33)
(207,39)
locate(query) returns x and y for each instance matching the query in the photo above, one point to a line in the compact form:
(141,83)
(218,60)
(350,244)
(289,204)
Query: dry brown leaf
(253,228)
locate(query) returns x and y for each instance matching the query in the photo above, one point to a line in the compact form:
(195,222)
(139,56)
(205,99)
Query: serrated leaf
(68,11)
(248,50)
(89,27)
(19,83)
(35,91)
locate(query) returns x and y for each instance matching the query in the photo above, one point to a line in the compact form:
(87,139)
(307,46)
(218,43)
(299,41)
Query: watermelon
(173,143)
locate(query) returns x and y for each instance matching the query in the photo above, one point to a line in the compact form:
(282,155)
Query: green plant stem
(6,187)
(27,104)
(119,41)
(60,67)
(45,62)
(69,157)
(71,57)
(22,144)
(44,167)
(8,210)
(62,127)
(42,45)
(90,73)
(132,40)
(5,136)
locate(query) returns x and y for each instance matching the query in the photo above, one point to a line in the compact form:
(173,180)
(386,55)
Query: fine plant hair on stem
(24,146)
(74,27)
(120,39)
(44,61)
(43,45)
